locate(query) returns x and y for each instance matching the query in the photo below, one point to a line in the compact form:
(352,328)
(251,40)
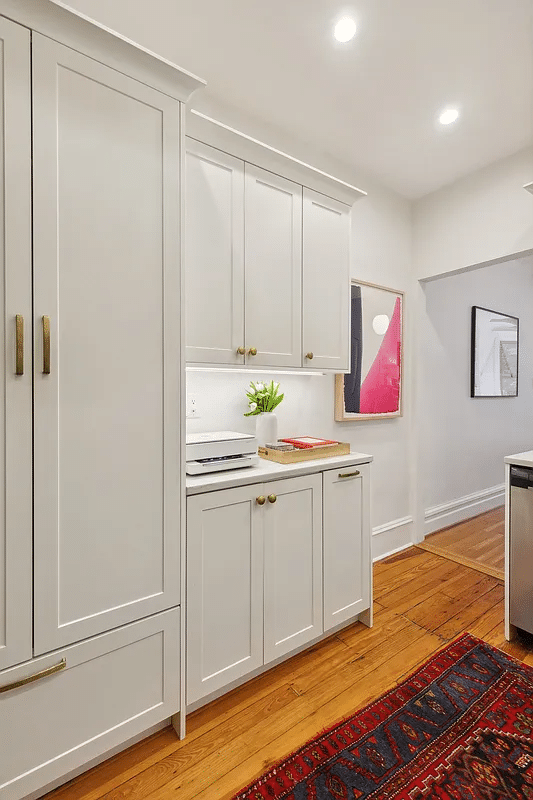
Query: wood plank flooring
(422,601)
(476,542)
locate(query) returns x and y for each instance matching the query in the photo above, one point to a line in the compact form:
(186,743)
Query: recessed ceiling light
(345,29)
(448,116)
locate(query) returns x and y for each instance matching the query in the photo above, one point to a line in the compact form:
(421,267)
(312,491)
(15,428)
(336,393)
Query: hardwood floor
(476,543)
(422,601)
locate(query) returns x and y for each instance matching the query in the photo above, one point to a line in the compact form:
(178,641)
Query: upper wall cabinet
(266,260)
(273,257)
(214,255)
(326,280)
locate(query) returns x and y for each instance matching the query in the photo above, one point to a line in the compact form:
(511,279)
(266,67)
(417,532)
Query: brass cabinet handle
(261,500)
(46,345)
(19,347)
(252,351)
(349,474)
(36,677)
(309,356)
(241,351)
(272,498)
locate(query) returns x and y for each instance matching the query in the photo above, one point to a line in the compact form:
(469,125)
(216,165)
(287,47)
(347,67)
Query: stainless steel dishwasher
(521,549)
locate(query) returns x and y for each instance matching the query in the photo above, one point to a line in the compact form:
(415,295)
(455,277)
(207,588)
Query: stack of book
(303,448)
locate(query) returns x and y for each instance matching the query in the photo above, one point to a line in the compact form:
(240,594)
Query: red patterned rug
(459,727)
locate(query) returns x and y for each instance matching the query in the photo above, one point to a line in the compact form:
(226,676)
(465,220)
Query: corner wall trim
(392,537)
(462,508)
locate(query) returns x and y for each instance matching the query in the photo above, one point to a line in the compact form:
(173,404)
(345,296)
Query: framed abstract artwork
(373,387)
(494,354)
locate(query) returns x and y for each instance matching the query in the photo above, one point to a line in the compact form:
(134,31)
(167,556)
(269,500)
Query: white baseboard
(462,508)
(392,537)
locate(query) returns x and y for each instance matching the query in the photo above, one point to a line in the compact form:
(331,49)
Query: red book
(306,442)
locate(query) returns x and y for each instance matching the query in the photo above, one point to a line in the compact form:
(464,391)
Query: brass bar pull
(349,474)
(46,345)
(36,677)
(19,347)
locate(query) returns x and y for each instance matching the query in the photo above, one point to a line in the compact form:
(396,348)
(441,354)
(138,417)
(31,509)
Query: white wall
(486,216)
(464,439)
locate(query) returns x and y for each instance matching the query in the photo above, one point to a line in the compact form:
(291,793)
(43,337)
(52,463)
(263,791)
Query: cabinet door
(224,588)
(326,282)
(293,564)
(15,390)
(347,559)
(273,256)
(107,276)
(214,255)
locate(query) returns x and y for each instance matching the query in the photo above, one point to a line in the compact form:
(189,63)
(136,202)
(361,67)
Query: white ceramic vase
(266,428)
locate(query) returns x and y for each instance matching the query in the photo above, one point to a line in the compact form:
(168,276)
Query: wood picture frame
(494,353)
(373,388)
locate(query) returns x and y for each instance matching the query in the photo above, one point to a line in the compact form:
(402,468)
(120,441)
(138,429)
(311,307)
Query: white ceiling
(372,102)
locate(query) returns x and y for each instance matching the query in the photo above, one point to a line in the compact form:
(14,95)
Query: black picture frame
(494,357)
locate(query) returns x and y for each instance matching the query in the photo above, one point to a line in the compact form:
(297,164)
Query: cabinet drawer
(113,687)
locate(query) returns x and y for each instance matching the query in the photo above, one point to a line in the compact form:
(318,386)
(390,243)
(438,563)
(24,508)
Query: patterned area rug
(460,727)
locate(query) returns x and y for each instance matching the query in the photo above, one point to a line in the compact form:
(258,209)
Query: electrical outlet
(192,407)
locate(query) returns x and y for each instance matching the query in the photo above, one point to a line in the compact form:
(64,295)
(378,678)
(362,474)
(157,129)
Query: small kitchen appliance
(219,450)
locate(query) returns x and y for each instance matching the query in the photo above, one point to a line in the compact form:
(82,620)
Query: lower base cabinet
(254,578)
(112,688)
(347,557)
(270,567)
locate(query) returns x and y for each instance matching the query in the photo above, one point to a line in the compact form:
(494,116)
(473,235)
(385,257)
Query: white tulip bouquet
(263,397)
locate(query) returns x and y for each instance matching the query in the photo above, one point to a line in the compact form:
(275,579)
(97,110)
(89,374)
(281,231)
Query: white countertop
(521,459)
(268,471)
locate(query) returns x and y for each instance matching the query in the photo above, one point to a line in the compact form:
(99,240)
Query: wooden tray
(308,454)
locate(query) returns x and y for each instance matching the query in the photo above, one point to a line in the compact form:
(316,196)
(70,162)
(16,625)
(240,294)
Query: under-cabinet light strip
(255,371)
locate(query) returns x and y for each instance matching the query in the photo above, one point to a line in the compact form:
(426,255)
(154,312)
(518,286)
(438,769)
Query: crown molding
(63,24)
(238,144)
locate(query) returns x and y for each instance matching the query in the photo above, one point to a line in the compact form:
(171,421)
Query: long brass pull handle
(46,345)
(36,677)
(272,498)
(261,500)
(349,474)
(19,347)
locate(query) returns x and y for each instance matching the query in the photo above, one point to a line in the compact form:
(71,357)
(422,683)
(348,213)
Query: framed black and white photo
(494,357)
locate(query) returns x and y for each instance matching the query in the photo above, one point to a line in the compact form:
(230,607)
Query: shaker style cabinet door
(326,282)
(107,335)
(347,558)
(293,564)
(15,372)
(273,256)
(214,255)
(224,588)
